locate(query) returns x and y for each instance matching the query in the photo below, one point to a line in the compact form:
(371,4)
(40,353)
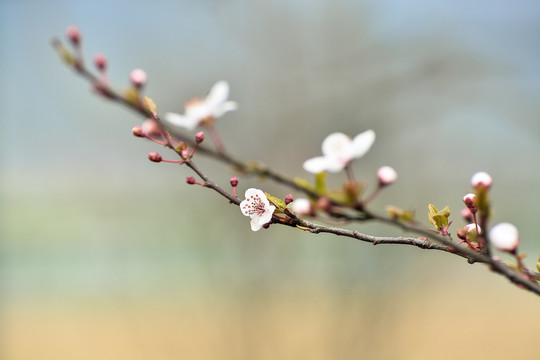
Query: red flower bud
(234,181)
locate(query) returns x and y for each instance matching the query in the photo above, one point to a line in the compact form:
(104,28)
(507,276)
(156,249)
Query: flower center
(254,205)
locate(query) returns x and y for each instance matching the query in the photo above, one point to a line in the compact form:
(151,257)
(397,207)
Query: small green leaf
(402,215)
(278,203)
(132,96)
(439,219)
(432,210)
(64,53)
(320,183)
(482,201)
(149,105)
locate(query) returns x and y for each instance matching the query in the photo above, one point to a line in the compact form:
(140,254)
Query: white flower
(339,150)
(257,207)
(504,237)
(199,111)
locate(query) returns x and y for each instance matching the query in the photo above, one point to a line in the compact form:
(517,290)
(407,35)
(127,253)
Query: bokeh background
(105,255)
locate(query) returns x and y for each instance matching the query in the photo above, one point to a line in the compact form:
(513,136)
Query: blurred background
(105,255)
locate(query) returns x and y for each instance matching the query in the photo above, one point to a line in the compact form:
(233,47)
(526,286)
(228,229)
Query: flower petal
(255,226)
(337,145)
(267,216)
(315,165)
(255,192)
(217,95)
(224,108)
(362,143)
(188,122)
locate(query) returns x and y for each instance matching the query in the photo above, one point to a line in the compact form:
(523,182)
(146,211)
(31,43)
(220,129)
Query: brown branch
(437,242)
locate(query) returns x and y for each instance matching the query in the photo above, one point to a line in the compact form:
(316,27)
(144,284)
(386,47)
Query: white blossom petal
(267,216)
(224,108)
(187,122)
(217,95)
(362,143)
(255,226)
(257,207)
(316,165)
(337,145)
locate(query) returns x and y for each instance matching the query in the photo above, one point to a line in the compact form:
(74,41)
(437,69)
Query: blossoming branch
(317,203)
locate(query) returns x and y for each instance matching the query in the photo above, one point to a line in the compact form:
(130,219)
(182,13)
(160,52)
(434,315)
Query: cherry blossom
(205,111)
(257,207)
(339,150)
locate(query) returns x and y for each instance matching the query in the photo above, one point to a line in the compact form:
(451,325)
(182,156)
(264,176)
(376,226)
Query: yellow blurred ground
(288,324)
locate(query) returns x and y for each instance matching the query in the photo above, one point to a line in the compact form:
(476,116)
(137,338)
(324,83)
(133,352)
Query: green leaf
(439,219)
(402,215)
(278,203)
(320,183)
(149,105)
(131,95)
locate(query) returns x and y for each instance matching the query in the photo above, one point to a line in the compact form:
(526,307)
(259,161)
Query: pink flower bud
(184,153)
(469,200)
(73,34)
(152,128)
(466,214)
(234,181)
(481,178)
(302,207)
(138,131)
(199,137)
(191,180)
(100,61)
(386,175)
(289,199)
(504,237)
(155,157)
(138,78)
